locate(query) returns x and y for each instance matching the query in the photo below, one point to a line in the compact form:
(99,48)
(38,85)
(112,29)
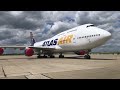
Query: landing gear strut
(44,56)
(87,56)
(61,56)
(39,56)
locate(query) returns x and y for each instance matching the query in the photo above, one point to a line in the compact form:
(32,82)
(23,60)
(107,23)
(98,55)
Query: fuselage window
(89,36)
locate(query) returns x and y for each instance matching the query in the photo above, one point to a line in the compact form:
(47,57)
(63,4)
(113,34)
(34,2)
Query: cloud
(61,26)
(16,13)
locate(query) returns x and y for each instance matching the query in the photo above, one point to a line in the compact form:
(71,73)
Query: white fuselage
(84,37)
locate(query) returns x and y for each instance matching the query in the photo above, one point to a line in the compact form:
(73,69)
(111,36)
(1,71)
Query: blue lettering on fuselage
(50,43)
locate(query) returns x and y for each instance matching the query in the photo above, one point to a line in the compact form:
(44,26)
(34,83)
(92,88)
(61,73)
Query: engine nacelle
(29,52)
(82,52)
(1,51)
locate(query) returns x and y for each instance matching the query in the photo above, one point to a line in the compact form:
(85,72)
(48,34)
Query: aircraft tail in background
(32,39)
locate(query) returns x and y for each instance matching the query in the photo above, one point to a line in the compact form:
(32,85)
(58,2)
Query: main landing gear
(51,56)
(39,56)
(61,56)
(87,56)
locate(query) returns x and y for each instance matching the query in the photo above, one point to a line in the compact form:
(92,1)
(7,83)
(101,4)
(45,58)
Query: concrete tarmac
(100,66)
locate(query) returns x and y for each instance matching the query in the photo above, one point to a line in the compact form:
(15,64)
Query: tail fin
(32,39)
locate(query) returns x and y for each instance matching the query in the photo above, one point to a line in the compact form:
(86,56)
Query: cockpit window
(90,25)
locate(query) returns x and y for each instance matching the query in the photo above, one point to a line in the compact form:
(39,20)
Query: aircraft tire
(87,57)
(61,56)
(38,56)
(52,56)
(45,56)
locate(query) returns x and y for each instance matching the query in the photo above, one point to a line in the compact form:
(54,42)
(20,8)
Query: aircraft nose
(107,34)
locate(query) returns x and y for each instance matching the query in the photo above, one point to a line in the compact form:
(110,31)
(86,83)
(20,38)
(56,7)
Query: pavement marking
(1,72)
(18,74)
(37,76)
(14,77)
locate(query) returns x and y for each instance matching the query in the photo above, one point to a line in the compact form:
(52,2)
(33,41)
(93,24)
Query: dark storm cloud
(33,14)
(5,35)
(12,22)
(96,17)
(19,22)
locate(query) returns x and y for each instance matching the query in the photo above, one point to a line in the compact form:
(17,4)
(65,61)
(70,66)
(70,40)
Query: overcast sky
(16,25)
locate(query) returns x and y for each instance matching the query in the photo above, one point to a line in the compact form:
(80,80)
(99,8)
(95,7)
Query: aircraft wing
(12,46)
(40,47)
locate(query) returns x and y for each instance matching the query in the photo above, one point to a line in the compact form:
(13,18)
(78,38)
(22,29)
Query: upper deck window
(90,25)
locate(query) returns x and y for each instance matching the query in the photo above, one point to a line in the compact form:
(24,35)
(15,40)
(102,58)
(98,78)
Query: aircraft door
(74,39)
(88,39)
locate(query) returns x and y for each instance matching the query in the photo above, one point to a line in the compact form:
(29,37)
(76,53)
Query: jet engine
(1,51)
(29,52)
(82,52)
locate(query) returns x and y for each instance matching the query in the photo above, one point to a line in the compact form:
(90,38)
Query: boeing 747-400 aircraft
(79,40)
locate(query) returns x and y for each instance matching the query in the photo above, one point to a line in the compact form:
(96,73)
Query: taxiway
(100,66)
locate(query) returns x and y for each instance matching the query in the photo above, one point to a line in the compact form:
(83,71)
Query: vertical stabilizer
(32,39)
